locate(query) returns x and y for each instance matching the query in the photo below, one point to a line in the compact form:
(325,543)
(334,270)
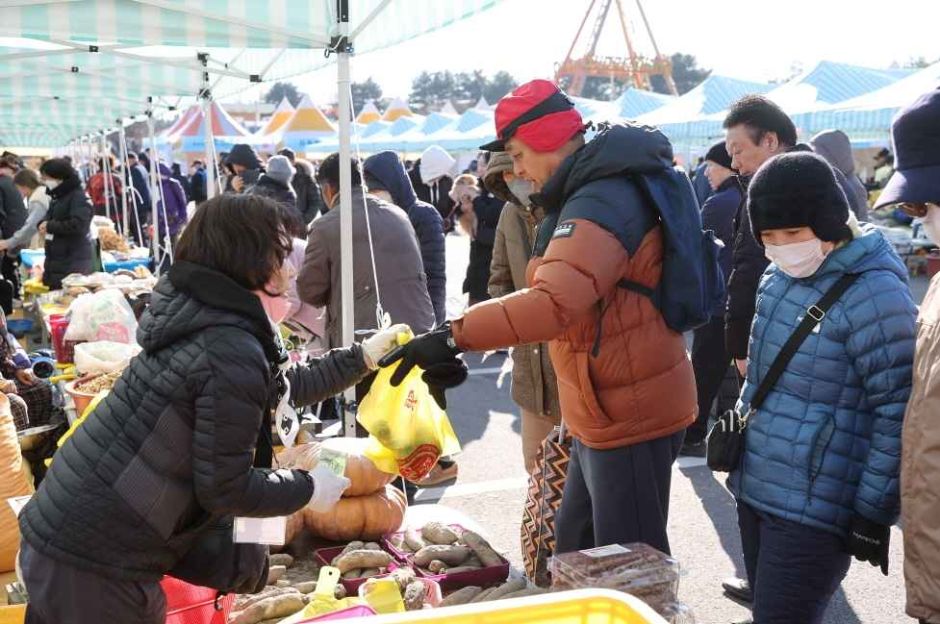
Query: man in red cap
(626,386)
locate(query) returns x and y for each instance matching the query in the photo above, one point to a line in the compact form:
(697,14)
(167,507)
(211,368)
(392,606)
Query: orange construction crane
(635,69)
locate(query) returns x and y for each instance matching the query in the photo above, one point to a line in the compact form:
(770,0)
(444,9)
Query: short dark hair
(57,168)
(246,237)
(328,172)
(289,153)
(761,116)
(373,183)
(10,162)
(27,178)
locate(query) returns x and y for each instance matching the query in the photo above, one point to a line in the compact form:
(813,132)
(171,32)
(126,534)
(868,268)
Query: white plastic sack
(103,356)
(104,315)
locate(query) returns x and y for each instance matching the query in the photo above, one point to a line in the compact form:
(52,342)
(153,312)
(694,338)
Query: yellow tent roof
(281,116)
(397,109)
(308,118)
(369,113)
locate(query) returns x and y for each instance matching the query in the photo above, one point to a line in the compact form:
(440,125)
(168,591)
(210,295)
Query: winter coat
(27,236)
(198,182)
(174,196)
(171,449)
(279,192)
(835,147)
(402,283)
(623,376)
(534,385)
(703,188)
(12,207)
(68,233)
(920,467)
(387,169)
(826,443)
(718,214)
(105,198)
(436,193)
(309,200)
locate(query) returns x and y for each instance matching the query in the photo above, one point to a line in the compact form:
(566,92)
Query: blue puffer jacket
(826,443)
(388,170)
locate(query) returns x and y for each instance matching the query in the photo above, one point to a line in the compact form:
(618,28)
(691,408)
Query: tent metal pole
(343,50)
(206,96)
(154,190)
(125,177)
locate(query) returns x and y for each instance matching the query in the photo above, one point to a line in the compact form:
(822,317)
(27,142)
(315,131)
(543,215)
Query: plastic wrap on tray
(678,613)
(636,569)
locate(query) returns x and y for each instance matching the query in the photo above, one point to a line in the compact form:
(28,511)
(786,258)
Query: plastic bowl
(82,399)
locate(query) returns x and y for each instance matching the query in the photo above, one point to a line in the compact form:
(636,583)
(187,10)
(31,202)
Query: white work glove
(328,488)
(381,343)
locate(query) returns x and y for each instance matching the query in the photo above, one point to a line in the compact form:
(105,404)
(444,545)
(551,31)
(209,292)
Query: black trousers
(59,592)
(617,496)
(10,288)
(710,361)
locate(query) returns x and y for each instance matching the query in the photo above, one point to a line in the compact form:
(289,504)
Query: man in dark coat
(197,182)
(139,181)
(275,184)
(386,178)
(12,218)
(309,200)
(246,165)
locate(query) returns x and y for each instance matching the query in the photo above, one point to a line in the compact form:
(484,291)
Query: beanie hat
(718,154)
(280,169)
(798,189)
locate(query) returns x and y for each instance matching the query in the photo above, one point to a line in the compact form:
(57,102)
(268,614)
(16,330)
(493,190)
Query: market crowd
(574,266)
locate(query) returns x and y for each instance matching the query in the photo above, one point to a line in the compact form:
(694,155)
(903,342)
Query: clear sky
(756,39)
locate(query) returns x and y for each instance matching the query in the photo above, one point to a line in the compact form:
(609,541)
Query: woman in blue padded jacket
(818,480)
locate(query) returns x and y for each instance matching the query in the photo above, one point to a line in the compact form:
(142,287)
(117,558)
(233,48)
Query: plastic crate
(583,606)
(326,555)
(64,349)
(15,614)
(192,604)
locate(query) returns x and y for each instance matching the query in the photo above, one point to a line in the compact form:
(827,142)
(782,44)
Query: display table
(33,257)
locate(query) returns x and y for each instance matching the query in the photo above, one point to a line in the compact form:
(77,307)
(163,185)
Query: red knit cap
(539,114)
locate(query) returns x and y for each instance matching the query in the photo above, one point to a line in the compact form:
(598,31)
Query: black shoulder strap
(814,315)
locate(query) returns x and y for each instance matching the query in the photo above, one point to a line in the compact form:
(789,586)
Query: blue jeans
(793,569)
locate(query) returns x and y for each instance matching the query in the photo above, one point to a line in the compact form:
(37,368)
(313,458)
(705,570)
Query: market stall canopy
(225,130)
(448,108)
(595,110)
(171,133)
(308,125)
(417,138)
(713,95)
(369,114)
(282,114)
(830,83)
(635,102)
(474,128)
(397,109)
(482,104)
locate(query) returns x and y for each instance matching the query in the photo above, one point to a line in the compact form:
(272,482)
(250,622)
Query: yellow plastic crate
(13,615)
(583,606)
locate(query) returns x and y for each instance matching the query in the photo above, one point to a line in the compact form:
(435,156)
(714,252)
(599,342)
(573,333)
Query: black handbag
(725,442)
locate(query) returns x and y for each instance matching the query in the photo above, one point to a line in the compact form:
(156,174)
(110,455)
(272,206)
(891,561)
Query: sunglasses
(917,209)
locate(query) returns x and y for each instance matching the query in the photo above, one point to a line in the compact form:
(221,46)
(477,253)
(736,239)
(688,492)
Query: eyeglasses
(917,209)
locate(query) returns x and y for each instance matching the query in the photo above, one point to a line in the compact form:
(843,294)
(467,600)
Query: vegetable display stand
(585,606)
(191,604)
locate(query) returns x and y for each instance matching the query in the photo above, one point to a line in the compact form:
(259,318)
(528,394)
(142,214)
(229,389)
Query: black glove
(424,351)
(440,377)
(868,541)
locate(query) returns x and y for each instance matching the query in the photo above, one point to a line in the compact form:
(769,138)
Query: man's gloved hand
(440,377)
(424,351)
(868,541)
(381,343)
(328,488)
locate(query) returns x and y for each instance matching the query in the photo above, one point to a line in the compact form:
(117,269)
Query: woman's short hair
(245,237)
(27,178)
(57,168)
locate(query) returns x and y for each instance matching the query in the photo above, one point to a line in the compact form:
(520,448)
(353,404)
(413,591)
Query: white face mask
(50,183)
(932,223)
(522,189)
(797,259)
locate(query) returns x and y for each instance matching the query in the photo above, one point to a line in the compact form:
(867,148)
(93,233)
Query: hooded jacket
(309,200)
(623,376)
(826,443)
(920,467)
(245,156)
(388,170)
(401,280)
(68,233)
(174,203)
(278,191)
(835,147)
(436,190)
(12,207)
(171,449)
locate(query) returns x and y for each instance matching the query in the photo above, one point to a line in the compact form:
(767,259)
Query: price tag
(270,531)
(18,502)
(605,551)
(288,425)
(336,462)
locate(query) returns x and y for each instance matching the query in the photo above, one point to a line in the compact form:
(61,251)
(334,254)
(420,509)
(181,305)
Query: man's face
(238,169)
(746,155)
(328,194)
(537,167)
(716,174)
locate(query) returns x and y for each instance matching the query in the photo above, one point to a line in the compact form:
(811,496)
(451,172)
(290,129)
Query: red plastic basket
(64,349)
(192,604)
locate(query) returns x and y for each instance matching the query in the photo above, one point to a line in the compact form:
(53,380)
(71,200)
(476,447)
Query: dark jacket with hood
(437,193)
(718,213)
(276,190)
(748,264)
(68,233)
(12,207)
(171,449)
(172,208)
(835,147)
(623,376)
(309,200)
(387,169)
(245,156)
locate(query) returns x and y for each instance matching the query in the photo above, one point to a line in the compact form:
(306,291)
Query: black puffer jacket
(172,447)
(309,200)
(68,233)
(12,207)
(278,191)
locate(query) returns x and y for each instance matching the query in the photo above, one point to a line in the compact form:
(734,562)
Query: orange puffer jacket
(624,376)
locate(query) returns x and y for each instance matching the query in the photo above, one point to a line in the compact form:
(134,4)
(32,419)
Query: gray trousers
(61,593)
(617,496)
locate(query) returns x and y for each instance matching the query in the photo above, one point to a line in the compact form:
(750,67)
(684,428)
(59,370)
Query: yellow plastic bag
(323,601)
(79,422)
(409,431)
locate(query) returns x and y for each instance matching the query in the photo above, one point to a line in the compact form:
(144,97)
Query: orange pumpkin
(364,518)
(365,477)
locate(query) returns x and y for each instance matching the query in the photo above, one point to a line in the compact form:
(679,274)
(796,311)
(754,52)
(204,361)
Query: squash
(365,477)
(295,524)
(366,517)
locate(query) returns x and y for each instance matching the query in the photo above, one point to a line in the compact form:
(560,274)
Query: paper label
(336,462)
(270,531)
(18,502)
(605,551)
(288,425)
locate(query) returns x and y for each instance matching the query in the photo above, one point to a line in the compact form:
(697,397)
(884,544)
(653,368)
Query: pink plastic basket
(192,604)
(344,614)
(326,555)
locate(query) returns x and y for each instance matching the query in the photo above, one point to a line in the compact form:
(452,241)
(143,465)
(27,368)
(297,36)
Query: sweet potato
(437,566)
(270,608)
(414,596)
(354,573)
(370,572)
(459,569)
(305,587)
(528,591)
(351,546)
(362,559)
(413,540)
(482,549)
(404,577)
(484,595)
(371,546)
(510,586)
(437,533)
(244,601)
(275,573)
(474,562)
(281,559)
(461,596)
(450,555)
(282,583)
